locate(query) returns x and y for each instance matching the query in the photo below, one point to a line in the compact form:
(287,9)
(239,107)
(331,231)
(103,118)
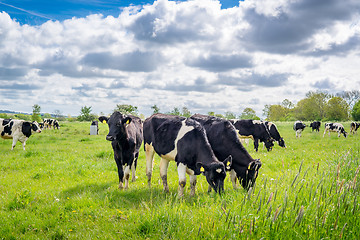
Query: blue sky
(205,55)
(35,12)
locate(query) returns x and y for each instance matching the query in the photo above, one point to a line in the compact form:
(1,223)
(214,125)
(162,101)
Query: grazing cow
(224,141)
(354,127)
(315,126)
(184,141)
(256,130)
(335,127)
(298,127)
(95,123)
(274,133)
(41,125)
(48,123)
(18,130)
(126,136)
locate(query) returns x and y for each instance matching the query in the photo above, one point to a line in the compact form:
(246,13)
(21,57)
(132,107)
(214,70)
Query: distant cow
(354,127)
(298,127)
(335,127)
(126,136)
(184,141)
(18,130)
(256,130)
(224,141)
(274,133)
(315,126)
(51,123)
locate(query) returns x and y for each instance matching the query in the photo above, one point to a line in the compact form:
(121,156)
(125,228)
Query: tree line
(319,105)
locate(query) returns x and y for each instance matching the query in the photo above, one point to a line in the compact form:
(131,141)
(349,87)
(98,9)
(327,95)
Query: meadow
(64,186)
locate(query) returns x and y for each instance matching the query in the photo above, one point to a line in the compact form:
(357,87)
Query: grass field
(64,186)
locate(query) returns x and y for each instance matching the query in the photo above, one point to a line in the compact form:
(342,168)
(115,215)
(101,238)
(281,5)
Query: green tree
(211,113)
(155,109)
(47,115)
(337,109)
(127,109)
(36,113)
(85,114)
(356,111)
(175,111)
(276,113)
(312,107)
(230,115)
(186,112)
(249,113)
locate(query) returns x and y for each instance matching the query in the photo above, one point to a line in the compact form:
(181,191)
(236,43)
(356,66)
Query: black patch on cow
(8,127)
(26,128)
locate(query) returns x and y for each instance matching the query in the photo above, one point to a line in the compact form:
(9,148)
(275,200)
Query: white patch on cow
(243,136)
(257,122)
(219,170)
(183,130)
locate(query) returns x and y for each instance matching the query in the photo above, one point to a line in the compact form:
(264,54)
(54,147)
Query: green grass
(64,186)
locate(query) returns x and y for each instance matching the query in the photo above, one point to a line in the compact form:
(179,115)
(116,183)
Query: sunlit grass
(65,186)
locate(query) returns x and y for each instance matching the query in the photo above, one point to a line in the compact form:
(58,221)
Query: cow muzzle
(110,138)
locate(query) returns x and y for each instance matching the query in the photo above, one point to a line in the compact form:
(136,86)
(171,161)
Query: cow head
(248,177)
(35,127)
(344,132)
(269,143)
(103,119)
(282,143)
(117,126)
(215,173)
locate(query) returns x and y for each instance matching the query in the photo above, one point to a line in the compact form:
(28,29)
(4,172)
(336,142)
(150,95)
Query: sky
(205,55)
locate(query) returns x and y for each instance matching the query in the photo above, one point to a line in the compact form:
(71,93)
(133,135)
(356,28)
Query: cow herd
(299,126)
(199,144)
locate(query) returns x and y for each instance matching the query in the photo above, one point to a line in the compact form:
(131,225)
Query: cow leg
(192,184)
(182,179)
(126,176)
(15,139)
(133,169)
(164,164)
(23,144)
(233,178)
(149,154)
(324,133)
(256,144)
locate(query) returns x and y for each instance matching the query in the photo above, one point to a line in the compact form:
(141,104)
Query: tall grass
(65,186)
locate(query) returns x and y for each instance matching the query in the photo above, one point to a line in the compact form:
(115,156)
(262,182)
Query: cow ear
(227,162)
(255,165)
(126,120)
(201,168)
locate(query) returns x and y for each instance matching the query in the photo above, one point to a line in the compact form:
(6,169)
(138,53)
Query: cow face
(117,126)
(282,143)
(215,173)
(269,143)
(35,127)
(249,175)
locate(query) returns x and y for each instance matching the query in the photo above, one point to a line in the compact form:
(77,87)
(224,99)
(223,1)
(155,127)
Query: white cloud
(176,54)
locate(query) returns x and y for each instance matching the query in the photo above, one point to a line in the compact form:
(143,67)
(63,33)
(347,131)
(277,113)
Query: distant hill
(12,112)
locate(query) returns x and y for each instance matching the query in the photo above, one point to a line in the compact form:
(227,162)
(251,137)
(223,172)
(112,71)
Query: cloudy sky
(206,55)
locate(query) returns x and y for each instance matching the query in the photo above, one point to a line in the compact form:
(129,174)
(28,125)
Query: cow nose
(109,138)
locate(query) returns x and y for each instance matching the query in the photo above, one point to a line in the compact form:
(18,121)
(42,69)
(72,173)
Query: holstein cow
(224,141)
(254,129)
(315,126)
(48,123)
(335,127)
(18,130)
(184,141)
(126,136)
(274,133)
(354,127)
(298,127)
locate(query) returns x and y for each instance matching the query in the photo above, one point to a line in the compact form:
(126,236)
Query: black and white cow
(184,141)
(298,127)
(49,123)
(256,130)
(315,126)
(18,130)
(354,127)
(126,136)
(274,133)
(335,127)
(224,141)
(95,123)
